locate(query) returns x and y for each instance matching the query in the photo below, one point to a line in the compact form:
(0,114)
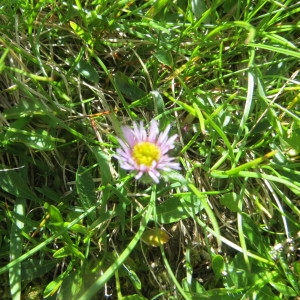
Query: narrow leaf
(68,250)
(85,69)
(15,275)
(34,268)
(13,183)
(208,210)
(128,87)
(218,265)
(230,200)
(86,190)
(171,210)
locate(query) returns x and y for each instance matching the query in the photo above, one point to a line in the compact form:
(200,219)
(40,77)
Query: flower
(145,152)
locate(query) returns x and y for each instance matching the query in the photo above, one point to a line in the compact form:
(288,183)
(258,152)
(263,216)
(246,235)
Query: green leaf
(85,35)
(68,250)
(15,274)
(86,190)
(283,289)
(85,69)
(237,273)
(266,293)
(198,8)
(218,265)
(171,210)
(159,104)
(29,223)
(193,287)
(253,236)
(156,8)
(134,278)
(164,57)
(71,286)
(277,49)
(174,176)
(56,222)
(289,274)
(56,218)
(208,210)
(77,228)
(103,163)
(49,193)
(26,107)
(296,266)
(34,268)
(292,138)
(230,200)
(40,139)
(13,183)
(54,285)
(128,87)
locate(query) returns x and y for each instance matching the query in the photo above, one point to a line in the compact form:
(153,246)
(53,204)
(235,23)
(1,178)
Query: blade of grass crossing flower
(208,210)
(15,275)
(100,282)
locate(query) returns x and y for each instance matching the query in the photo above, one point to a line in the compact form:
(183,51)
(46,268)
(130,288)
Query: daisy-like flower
(145,152)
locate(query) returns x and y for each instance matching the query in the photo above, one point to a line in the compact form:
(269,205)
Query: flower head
(145,152)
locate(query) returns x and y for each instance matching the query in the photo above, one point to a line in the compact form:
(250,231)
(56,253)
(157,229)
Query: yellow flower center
(145,153)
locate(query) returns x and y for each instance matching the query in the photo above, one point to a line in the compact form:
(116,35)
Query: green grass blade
(15,274)
(208,210)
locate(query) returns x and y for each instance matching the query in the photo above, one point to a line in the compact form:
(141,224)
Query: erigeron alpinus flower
(145,152)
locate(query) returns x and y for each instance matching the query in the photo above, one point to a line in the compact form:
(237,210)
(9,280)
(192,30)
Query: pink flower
(145,152)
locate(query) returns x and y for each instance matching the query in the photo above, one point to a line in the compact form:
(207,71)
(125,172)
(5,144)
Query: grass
(224,74)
